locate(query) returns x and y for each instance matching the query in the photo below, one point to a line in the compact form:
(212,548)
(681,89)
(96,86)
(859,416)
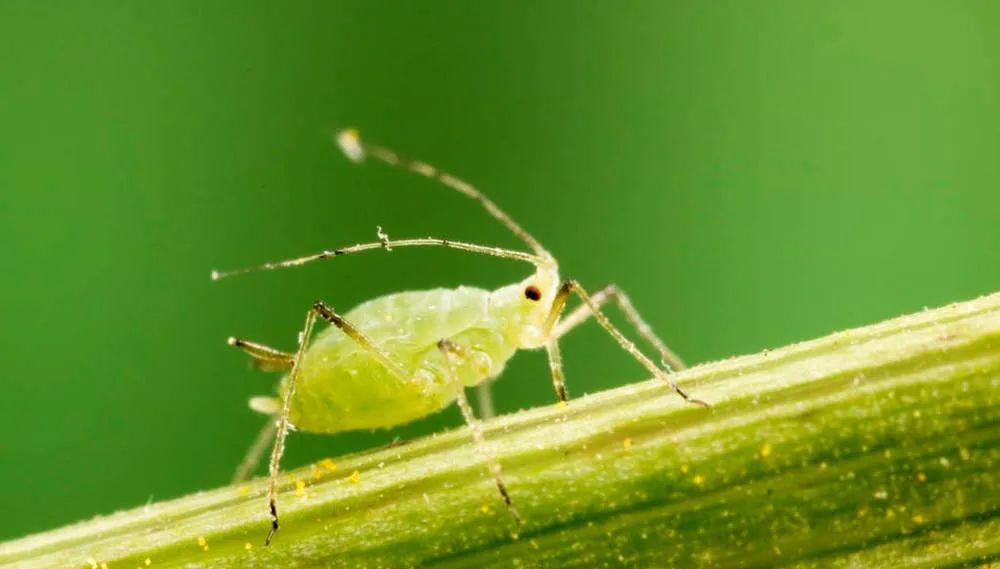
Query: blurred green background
(754,173)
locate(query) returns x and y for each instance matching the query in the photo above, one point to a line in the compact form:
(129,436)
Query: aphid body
(403,356)
(341,386)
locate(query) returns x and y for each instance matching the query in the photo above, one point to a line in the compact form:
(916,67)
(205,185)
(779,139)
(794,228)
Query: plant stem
(872,447)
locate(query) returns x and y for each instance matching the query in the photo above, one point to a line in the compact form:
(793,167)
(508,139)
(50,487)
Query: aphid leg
(552,346)
(281,429)
(264,358)
(484,398)
(612,293)
(452,353)
(256,450)
(331,316)
(323,311)
(555,366)
(572,286)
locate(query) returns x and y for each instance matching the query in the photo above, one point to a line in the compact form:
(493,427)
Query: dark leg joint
(328,314)
(274,523)
(561,393)
(687,397)
(510,504)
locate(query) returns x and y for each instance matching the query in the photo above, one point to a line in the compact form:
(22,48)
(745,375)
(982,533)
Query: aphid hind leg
(454,353)
(330,315)
(281,430)
(572,286)
(612,293)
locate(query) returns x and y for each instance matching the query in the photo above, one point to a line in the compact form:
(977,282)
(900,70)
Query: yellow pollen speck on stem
(355,477)
(918,519)
(328,464)
(148,562)
(698,480)
(765,450)
(300,488)
(627,443)
(202,543)
(921,477)
(485,509)
(248,546)
(244,490)
(317,474)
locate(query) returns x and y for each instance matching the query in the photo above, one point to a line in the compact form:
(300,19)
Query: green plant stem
(871,447)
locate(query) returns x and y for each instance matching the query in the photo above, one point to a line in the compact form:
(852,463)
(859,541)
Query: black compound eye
(532,293)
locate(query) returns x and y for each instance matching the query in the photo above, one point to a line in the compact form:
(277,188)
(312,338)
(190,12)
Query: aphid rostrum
(406,355)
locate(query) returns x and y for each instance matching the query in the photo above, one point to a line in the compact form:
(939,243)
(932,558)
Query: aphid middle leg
(453,353)
(612,293)
(572,286)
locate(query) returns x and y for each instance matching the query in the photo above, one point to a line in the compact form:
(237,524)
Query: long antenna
(385,243)
(356,149)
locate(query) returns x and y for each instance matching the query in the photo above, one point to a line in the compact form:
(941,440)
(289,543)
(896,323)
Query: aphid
(406,355)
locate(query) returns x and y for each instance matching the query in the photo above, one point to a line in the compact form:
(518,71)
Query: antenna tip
(349,141)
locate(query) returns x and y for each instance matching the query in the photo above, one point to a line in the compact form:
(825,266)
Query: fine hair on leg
(612,293)
(572,286)
(453,352)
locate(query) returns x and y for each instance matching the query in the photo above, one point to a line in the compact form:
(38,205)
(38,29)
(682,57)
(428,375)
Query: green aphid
(403,356)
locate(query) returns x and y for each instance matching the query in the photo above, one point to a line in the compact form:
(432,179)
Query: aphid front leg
(453,354)
(612,293)
(591,305)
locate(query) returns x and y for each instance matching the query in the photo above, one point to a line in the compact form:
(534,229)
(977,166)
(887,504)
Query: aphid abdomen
(342,387)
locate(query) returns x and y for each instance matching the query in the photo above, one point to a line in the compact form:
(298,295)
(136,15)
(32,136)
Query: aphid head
(525,306)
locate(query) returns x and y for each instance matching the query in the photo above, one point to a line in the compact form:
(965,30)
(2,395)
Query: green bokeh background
(754,173)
